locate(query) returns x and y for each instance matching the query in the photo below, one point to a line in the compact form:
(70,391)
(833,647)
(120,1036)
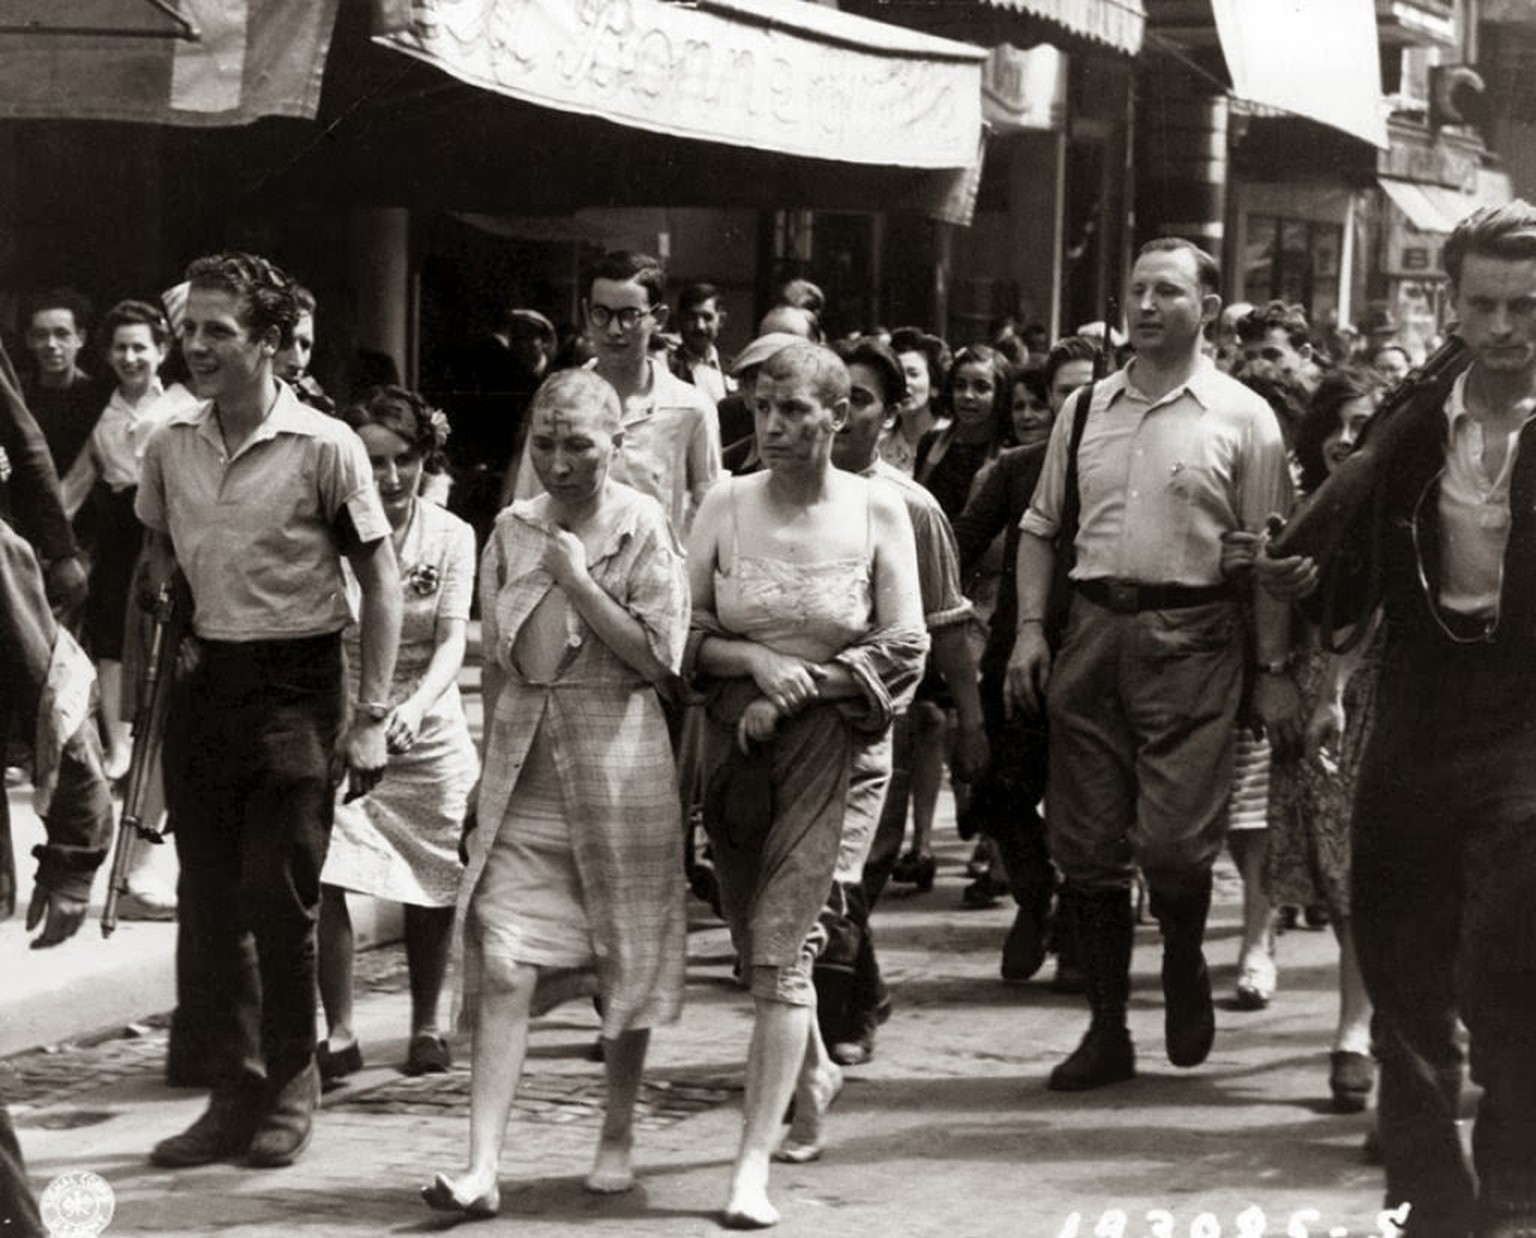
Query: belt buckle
(1123,597)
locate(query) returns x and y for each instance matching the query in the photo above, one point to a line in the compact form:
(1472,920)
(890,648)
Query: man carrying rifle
(1444,870)
(71,788)
(256,497)
(1174,456)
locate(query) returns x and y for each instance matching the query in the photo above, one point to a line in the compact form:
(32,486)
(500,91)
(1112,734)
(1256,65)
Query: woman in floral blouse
(401,841)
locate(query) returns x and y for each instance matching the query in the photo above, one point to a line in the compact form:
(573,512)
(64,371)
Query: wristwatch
(374,711)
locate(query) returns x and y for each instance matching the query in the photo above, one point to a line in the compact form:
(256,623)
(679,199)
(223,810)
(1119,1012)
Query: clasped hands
(787,684)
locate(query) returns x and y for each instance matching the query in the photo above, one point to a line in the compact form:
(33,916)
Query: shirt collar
(1456,405)
(1201,384)
(289,415)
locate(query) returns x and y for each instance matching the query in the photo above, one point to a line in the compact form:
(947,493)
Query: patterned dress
(1310,808)
(578,856)
(401,841)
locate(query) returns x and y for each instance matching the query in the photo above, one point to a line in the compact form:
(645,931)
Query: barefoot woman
(808,632)
(575,879)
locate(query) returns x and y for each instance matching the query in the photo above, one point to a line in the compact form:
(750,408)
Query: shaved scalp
(818,367)
(583,389)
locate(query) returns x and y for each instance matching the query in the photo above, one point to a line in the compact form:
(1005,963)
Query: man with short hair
(292,362)
(697,358)
(256,499)
(1277,344)
(65,400)
(1069,365)
(852,998)
(671,448)
(1144,689)
(1444,822)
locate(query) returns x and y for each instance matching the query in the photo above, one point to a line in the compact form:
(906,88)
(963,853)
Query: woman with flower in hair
(401,841)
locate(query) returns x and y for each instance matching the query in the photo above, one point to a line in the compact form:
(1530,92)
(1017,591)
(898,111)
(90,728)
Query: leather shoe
(428,1055)
(289,1123)
(1189,1019)
(1024,947)
(1106,1055)
(222,1132)
(339,1063)
(1350,1076)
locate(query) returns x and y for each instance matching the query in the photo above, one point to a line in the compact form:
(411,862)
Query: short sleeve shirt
(938,557)
(1162,480)
(259,534)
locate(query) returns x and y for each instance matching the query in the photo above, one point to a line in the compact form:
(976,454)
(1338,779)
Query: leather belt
(1126,598)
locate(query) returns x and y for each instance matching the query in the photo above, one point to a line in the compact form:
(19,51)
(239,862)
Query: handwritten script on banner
(708,74)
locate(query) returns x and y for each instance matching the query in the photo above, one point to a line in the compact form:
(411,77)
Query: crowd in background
(878,659)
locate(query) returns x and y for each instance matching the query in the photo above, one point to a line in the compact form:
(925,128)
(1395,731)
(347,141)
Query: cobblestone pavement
(45,1088)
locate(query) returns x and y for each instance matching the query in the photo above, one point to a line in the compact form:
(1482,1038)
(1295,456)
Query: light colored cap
(533,318)
(763,347)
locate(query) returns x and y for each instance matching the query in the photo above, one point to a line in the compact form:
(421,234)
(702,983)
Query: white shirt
(1474,509)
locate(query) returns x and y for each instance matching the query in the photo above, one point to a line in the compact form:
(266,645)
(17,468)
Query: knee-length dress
(401,841)
(775,879)
(577,857)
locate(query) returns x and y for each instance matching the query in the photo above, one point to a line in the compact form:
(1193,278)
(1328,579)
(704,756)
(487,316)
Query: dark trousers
(1005,800)
(249,755)
(1444,905)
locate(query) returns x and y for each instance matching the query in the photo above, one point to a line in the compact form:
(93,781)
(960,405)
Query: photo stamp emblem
(77,1205)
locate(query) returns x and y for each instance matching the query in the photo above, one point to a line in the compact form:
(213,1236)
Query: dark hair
(268,297)
(1286,398)
(934,350)
(1507,231)
(1033,379)
(624,265)
(1258,322)
(1338,388)
(77,303)
(694,295)
(1002,382)
(305,299)
(825,370)
(1071,348)
(404,413)
(879,356)
(1205,265)
(135,314)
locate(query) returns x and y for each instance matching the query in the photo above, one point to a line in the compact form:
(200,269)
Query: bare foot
(748,1206)
(814,1096)
(612,1173)
(473,1193)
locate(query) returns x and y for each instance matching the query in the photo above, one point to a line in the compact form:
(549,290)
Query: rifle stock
(172,605)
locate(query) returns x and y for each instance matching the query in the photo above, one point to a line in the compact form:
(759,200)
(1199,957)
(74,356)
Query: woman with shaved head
(574,883)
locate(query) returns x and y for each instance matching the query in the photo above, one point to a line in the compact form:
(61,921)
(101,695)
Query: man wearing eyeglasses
(1444,865)
(671,444)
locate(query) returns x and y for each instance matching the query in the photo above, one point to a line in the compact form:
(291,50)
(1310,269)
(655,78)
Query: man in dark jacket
(1444,822)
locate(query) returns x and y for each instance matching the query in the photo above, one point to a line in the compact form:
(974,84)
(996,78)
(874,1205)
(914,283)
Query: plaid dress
(612,756)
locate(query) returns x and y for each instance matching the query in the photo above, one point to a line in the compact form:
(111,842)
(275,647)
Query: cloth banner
(796,79)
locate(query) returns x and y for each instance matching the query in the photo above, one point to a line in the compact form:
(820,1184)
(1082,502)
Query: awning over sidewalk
(117,60)
(770,75)
(1315,58)
(1439,208)
(1120,23)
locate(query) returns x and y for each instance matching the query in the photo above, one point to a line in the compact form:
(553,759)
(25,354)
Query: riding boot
(1101,923)
(1189,1018)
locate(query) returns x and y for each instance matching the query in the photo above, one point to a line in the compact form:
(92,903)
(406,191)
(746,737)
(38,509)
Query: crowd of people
(778,596)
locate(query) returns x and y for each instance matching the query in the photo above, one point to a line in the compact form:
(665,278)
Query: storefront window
(1293,260)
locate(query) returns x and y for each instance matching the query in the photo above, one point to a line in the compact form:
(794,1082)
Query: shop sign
(1024,89)
(820,83)
(1435,163)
